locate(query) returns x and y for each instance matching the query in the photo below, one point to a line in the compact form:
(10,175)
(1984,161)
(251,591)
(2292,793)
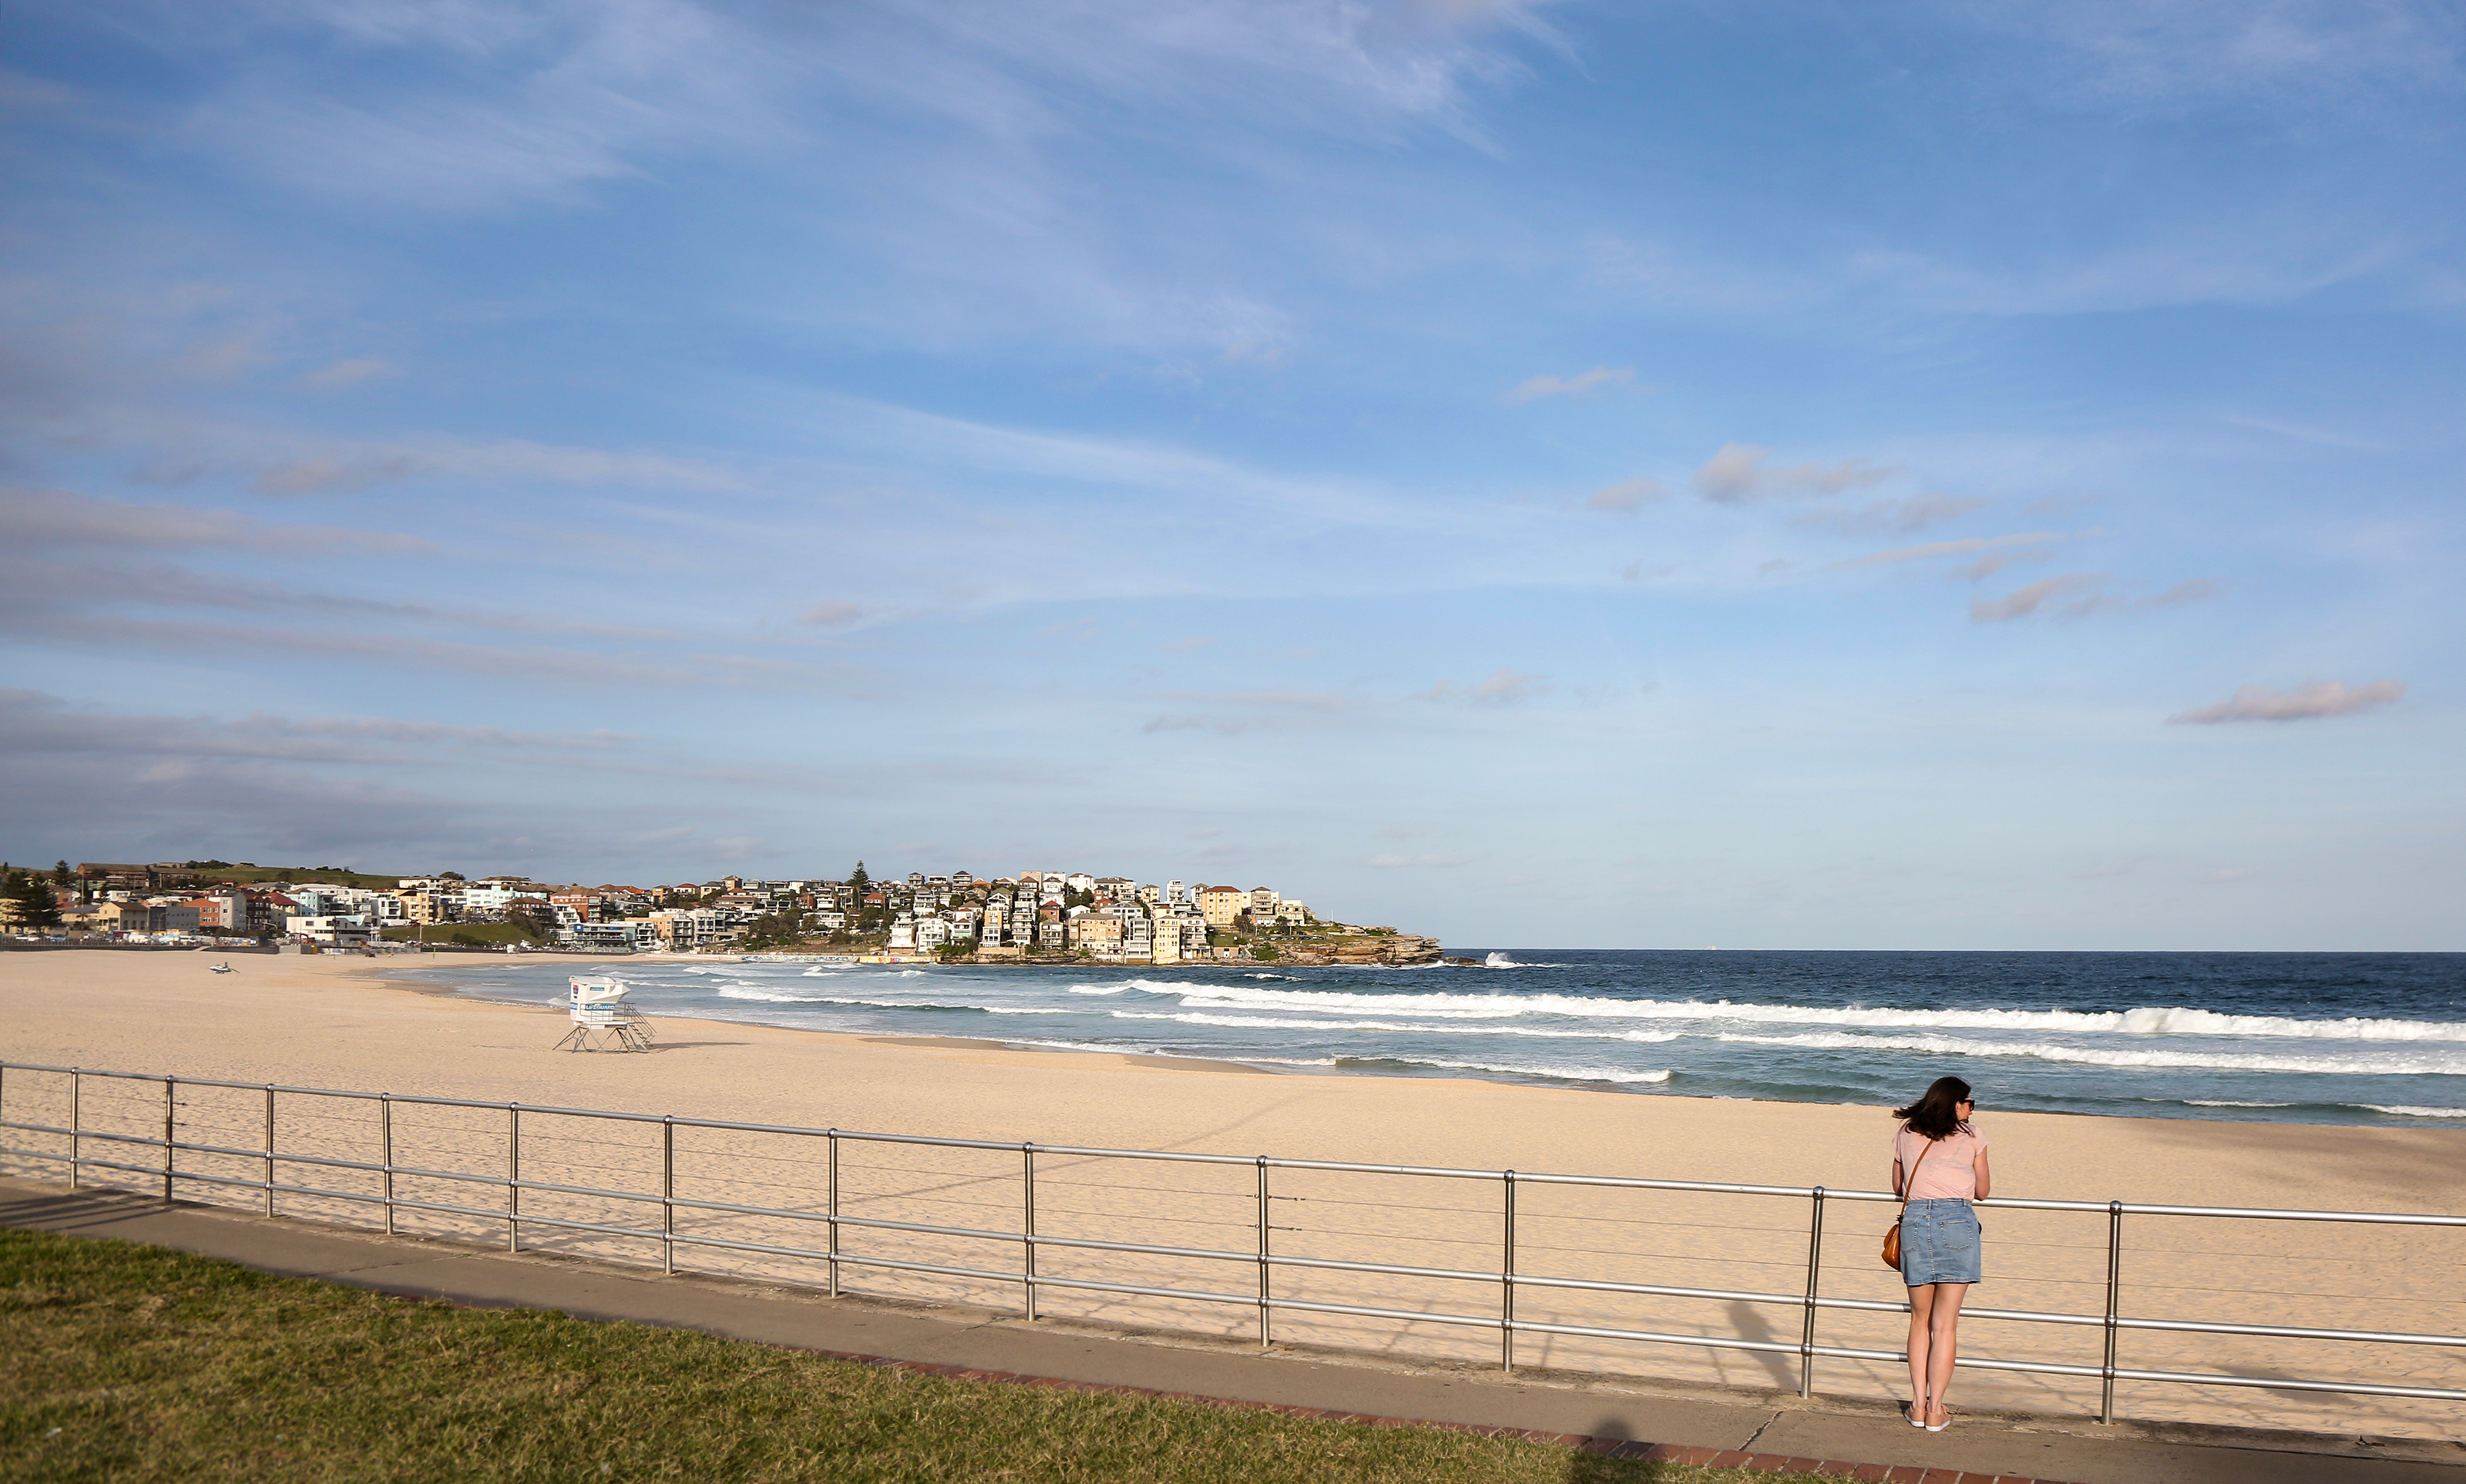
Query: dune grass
(128,1362)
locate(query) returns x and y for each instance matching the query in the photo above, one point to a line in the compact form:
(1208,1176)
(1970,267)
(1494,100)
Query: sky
(1765,474)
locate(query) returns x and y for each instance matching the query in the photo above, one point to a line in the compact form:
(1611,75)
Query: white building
(337,931)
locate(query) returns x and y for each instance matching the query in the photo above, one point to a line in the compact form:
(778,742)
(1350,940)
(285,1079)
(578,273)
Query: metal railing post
(669,1195)
(171,1118)
(1027,1229)
(77,1124)
(513,1177)
(1265,1312)
(269,1149)
(2114,1292)
(385,1152)
(834,1139)
(1507,1277)
(1814,1269)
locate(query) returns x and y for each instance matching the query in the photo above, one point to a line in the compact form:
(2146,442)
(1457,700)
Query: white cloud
(831,614)
(1536,388)
(1738,473)
(2310,701)
(1626,496)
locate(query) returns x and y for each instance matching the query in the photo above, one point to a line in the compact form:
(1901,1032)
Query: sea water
(2306,1037)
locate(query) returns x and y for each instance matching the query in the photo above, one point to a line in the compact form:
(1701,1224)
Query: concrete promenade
(1694,1425)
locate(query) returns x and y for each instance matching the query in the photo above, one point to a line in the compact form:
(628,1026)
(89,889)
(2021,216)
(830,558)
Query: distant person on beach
(1938,1167)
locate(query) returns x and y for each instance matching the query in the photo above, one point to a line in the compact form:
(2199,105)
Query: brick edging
(1607,1448)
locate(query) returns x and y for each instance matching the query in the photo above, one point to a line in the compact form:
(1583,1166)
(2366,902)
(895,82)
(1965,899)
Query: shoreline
(2349,1108)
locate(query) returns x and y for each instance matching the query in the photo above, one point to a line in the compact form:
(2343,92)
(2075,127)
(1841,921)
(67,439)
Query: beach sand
(336,1022)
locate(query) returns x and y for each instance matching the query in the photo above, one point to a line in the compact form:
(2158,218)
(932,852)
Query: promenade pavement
(1602,1413)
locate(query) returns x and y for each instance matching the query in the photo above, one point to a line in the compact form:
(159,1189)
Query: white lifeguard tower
(602,1020)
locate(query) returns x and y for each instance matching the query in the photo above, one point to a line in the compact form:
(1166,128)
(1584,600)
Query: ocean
(2298,1038)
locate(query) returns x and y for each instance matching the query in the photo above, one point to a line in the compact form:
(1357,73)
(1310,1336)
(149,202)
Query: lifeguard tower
(602,1020)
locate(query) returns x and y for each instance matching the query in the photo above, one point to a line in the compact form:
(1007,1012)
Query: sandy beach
(337,1021)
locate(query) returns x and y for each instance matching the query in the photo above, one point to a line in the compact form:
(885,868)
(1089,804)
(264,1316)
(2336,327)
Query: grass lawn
(129,1363)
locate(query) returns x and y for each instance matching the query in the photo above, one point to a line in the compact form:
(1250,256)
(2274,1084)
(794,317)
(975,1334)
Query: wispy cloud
(1500,687)
(2311,701)
(348,374)
(1407,862)
(60,517)
(1627,495)
(834,614)
(35,724)
(356,466)
(1536,388)
(2078,594)
(2075,593)
(1935,549)
(1742,472)
(1892,516)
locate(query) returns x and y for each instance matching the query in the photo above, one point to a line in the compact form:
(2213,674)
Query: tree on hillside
(535,918)
(857,880)
(27,902)
(60,874)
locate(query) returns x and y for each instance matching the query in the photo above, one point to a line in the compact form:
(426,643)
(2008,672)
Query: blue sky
(1765,474)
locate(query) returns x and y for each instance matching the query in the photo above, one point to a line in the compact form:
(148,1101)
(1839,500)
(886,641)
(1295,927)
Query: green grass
(127,1362)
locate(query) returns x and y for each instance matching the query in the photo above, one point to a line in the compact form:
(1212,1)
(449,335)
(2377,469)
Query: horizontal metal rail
(1028,1241)
(1342,1166)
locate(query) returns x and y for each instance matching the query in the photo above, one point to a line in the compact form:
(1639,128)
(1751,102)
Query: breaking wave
(2403,1111)
(2379,1063)
(1269,1023)
(2153,1021)
(1522,1070)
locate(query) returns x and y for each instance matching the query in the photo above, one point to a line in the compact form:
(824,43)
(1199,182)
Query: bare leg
(1943,1343)
(1921,1311)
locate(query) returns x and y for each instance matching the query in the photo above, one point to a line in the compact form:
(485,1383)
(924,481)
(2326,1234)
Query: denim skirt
(1938,1243)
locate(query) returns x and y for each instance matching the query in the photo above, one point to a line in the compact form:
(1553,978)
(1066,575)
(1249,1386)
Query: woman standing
(1938,1167)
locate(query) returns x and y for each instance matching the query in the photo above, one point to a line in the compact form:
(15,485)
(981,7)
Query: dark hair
(1938,1114)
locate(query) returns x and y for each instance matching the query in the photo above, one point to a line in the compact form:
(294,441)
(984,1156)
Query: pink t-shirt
(1950,1170)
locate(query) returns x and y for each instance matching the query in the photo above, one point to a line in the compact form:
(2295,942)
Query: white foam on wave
(2153,1021)
(1098,989)
(1526,1070)
(2223,1102)
(1271,1022)
(2404,1110)
(2378,1064)
(1499,960)
(775,997)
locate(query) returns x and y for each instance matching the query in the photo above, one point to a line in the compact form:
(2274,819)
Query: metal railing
(1258,1257)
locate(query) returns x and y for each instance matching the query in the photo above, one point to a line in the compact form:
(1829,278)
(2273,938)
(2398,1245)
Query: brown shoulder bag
(1893,1233)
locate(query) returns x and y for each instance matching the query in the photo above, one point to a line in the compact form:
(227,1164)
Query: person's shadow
(1598,1467)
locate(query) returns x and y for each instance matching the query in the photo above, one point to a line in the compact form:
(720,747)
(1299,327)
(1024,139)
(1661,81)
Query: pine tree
(30,903)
